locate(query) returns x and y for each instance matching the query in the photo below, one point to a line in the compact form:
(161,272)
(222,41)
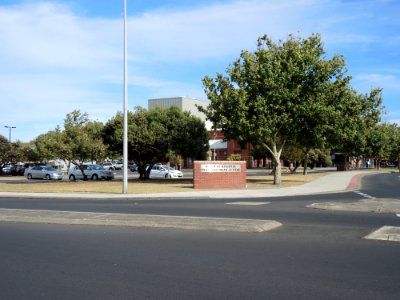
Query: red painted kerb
(354,182)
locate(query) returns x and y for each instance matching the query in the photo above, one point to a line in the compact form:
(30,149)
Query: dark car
(6,169)
(17,170)
(133,167)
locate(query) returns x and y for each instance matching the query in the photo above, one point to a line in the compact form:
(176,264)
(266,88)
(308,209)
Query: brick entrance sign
(219,174)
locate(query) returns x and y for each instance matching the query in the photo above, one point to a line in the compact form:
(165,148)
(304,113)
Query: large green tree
(395,143)
(79,141)
(11,152)
(47,146)
(380,142)
(5,147)
(355,122)
(276,94)
(154,134)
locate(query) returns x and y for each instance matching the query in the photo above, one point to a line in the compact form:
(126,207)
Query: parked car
(94,172)
(108,165)
(17,170)
(118,164)
(6,169)
(133,167)
(43,172)
(387,164)
(161,171)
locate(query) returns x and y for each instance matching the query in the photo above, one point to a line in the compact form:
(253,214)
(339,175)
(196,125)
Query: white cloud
(213,31)
(48,35)
(54,62)
(388,81)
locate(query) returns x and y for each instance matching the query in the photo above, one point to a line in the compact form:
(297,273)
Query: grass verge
(136,186)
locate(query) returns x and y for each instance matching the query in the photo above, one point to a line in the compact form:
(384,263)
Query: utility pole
(125,129)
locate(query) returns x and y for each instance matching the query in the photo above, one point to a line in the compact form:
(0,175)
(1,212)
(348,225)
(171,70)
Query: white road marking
(364,195)
(398,215)
(248,203)
(385,233)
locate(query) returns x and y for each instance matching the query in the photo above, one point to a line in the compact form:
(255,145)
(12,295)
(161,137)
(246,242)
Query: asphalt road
(292,262)
(316,254)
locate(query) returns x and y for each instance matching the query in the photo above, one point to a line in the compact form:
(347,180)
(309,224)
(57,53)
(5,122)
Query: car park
(43,172)
(161,171)
(93,172)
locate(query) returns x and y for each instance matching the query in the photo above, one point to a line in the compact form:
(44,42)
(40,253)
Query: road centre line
(364,195)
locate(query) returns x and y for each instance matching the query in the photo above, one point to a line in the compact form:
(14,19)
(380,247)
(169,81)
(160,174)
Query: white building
(183,103)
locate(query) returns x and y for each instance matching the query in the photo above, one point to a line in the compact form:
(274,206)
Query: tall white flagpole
(125,130)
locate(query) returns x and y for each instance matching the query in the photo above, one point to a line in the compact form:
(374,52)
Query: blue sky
(57,56)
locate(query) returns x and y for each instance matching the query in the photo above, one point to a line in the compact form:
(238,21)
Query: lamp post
(9,132)
(125,129)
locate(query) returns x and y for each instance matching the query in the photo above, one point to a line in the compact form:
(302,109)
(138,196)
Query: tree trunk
(278,171)
(305,164)
(147,172)
(68,165)
(276,156)
(295,166)
(141,168)
(83,172)
(398,163)
(358,159)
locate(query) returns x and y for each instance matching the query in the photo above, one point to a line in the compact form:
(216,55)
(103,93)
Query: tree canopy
(153,134)
(11,152)
(283,91)
(79,141)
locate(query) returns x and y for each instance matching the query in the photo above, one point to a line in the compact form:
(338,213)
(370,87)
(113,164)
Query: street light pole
(9,132)
(125,129)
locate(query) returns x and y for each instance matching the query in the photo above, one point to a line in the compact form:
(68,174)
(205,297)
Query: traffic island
(136,220)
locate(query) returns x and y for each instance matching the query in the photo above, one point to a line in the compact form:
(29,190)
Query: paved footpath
(333,182)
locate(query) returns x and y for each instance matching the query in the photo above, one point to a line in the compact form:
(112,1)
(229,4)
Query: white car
(108,165)
(94,172)
(160,171)
(118,164)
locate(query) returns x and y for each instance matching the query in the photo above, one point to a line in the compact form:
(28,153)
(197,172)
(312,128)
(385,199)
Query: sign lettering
(211,168)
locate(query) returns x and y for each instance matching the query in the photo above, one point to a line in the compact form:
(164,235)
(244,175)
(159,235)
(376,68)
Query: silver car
(94,172)
(43,172)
